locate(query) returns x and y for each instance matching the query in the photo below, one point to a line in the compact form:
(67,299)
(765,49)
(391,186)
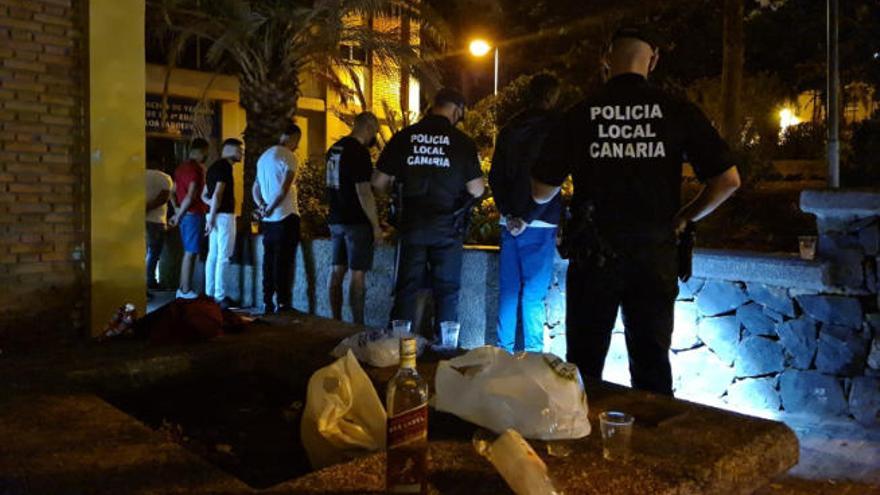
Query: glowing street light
(479,48)
(787,118)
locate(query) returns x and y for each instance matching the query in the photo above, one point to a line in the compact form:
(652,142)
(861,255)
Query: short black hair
(290,129)
(232,142)
(365,118)
(541,87)
(642,33)
(199,144)
(449,95)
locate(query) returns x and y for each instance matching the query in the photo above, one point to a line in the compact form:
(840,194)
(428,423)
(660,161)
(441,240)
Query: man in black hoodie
(528,236)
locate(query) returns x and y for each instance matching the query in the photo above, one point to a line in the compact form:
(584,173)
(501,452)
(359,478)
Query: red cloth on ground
(186,321)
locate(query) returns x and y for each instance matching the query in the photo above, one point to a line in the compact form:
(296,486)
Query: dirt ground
(245,424)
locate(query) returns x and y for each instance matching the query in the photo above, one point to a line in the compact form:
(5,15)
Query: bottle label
(407,451)
(408,426)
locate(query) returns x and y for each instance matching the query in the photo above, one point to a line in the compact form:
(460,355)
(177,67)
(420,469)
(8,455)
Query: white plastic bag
(379,348)
(343,416)
(519,465)
(538,395)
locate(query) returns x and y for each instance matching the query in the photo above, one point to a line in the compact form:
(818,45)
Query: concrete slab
(782,270)
(55,441)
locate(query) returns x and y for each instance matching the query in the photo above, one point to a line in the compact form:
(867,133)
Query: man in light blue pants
(528,236)
(526,270)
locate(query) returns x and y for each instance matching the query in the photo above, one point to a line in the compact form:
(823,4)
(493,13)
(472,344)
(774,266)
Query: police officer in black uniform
(624,147)
(437,172)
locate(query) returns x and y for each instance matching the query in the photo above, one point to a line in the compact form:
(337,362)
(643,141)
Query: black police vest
(433,179)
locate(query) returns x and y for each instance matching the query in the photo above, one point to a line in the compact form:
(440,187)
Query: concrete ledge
(783,270)
(77,443)
(837,203)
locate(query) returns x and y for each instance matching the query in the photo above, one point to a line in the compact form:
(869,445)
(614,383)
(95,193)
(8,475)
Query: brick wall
(43,170)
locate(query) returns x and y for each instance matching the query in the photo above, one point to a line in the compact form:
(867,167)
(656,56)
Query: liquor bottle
(407,406)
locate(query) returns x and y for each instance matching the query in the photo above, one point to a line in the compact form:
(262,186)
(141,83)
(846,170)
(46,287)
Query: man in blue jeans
(528,234)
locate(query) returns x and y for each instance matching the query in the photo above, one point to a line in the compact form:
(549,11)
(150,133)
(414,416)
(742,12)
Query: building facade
(80,116)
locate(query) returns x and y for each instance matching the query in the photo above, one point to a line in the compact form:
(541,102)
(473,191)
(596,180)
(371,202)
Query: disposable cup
(616,430)
(449,334)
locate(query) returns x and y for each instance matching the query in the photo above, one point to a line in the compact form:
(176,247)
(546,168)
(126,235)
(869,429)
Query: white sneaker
(186,295)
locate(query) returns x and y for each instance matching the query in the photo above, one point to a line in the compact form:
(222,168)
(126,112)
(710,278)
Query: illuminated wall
(116,148)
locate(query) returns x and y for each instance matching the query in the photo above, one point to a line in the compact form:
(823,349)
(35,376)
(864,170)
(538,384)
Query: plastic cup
(400,326)
(807,246)
(449,334)
(616,430)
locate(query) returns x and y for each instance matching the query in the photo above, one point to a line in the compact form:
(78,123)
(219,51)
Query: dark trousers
(279,245)
(643,283)
(155,242)
(444,259)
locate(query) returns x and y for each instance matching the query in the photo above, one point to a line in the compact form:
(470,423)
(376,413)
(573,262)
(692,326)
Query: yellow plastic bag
(343,417)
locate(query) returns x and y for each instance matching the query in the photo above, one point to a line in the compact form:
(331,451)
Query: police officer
(437,172)
(624,147)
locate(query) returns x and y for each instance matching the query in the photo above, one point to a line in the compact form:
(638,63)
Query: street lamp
(479,48)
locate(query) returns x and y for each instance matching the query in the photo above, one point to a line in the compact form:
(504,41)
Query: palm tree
(271,44)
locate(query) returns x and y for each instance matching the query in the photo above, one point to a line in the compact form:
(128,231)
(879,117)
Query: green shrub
(313,208)
(861,162)
(805,141)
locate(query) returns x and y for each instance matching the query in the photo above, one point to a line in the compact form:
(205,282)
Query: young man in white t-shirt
(274,194)
(158,192)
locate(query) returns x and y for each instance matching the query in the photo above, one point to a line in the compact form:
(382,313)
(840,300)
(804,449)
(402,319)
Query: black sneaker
(226,303)
(285,308)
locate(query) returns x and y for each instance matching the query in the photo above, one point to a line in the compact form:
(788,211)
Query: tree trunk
(732,71)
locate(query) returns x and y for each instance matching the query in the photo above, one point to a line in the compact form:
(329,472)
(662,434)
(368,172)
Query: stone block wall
(43,168)
(770,334)
(769,348)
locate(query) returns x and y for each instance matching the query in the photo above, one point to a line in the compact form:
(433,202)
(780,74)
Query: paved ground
(56,436)
(837,458)
(159,298)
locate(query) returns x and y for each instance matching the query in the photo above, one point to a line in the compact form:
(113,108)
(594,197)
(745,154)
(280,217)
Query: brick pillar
(42,171)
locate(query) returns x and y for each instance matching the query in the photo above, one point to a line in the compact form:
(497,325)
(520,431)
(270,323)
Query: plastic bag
(538,395)
(343,416)
(379,348)
(122,322)
(519,465)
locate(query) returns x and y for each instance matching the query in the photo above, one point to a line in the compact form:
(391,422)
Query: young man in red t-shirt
(189,178)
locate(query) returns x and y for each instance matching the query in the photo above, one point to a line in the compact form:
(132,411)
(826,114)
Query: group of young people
(624,147)
(203,199)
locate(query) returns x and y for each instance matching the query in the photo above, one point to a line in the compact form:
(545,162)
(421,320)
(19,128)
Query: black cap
(232,142)
(638,32)
(448,95)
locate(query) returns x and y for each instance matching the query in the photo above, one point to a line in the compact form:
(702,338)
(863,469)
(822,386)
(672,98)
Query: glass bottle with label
(407,405)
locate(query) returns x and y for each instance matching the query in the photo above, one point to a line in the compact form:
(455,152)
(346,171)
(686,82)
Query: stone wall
(42,168)
(768,334)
